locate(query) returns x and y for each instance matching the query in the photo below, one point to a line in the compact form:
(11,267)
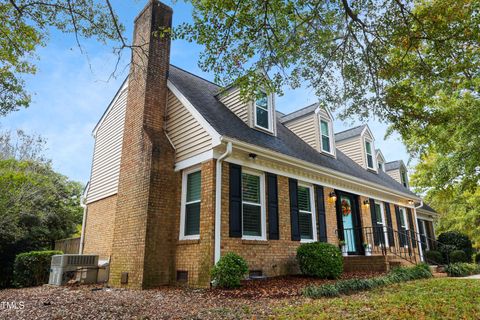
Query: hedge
(420,271)
(462,269)
(320,259)
(32,268)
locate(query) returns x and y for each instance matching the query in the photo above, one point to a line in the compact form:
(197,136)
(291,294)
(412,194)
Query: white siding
(108,150)
(232,100)
(395,174)
(306,128)
(188,137)
(353,148)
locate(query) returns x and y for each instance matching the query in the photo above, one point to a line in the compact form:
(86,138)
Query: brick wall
(98,235)
(147,205)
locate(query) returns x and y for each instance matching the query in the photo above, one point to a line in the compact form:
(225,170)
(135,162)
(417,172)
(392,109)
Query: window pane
(380,166)
(304,199)
(193,186)
(402,218)
(305,221)
(252,224)
(262,100)
(192,219)
(250,188)
(324,128)
(369,161)
(368,146)
(378,213)
(325,143)
(262,118)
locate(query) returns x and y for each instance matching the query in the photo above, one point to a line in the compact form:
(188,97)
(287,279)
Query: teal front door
(348,221)
(348,226)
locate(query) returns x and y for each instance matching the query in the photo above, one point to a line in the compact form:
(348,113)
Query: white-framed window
(380,217)
(263,111)
(369,154)
(191,204)
(380,166)
(306,213)
(403,176)
(253,205)
(404,225)
(326,140)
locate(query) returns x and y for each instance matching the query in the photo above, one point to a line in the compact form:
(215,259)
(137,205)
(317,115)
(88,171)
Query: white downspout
(84,219)
(419,242)
(218,201)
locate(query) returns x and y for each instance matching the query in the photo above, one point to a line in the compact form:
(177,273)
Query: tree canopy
(412,64)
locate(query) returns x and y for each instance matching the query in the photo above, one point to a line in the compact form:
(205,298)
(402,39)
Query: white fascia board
(110,106)
(309,166)
(187,104)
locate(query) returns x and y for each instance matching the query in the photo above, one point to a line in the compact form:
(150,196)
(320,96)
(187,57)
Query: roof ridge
(362,125)
(195,75)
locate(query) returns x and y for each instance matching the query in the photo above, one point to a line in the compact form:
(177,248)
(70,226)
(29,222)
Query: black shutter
(272,191)
(388,214)
(235,219)
(321,221)
(294,223)
(375,228)
(401,231)
(412,228)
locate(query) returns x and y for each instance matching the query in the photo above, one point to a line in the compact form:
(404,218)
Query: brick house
(184,171)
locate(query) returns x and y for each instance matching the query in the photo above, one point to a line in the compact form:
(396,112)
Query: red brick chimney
(142,251)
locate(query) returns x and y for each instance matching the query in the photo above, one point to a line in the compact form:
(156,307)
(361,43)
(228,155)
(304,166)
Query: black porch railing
(382,240)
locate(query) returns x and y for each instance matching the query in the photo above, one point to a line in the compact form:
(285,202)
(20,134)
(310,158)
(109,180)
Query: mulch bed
(282,287)
(256,299)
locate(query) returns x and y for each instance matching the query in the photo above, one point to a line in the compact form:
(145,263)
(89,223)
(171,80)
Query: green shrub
(32,268)
(420,271)
(462,269)
(229,271)
(434,257)
(319,259)
(455,241)
(477,258)
(458,256)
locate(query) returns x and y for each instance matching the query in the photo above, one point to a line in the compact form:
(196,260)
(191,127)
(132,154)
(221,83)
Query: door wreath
(346,207)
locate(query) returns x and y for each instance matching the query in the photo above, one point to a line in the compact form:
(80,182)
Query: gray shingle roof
(350,133)
(299,113)
(426,207)
(201,94)
(393,165)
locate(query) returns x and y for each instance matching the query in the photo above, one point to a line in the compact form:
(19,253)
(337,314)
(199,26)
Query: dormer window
(326,136)
(403,176)
(263,112)
(369,154)
(380,166)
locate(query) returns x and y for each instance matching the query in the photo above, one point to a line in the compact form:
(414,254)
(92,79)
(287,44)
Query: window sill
(255,241)
(264,130)
(307,240)
(188,241)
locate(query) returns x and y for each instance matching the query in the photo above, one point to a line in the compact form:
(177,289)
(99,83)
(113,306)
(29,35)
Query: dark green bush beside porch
(32,268)
(320,259)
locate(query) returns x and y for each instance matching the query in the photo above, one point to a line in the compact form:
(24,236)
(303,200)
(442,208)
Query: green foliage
(32,268)
(457,241)
(229,271)
(25,26)
(458,256)
(462,269)
(319,259)
(37,207)
(420,271)
(477,258)
(434,257)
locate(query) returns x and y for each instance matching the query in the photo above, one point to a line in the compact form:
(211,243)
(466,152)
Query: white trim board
(194,112)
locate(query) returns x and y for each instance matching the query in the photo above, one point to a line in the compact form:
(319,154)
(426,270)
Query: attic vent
(256,274)
(182,276)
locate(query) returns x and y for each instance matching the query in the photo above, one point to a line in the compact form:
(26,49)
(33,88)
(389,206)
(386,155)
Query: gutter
(218,200)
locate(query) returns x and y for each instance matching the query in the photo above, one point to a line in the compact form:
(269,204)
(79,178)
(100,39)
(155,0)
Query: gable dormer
(314,125)
(398,171)
(258,113)
(359,145)
(380,160)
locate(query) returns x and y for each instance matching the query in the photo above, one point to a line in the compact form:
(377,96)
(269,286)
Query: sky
(71,90)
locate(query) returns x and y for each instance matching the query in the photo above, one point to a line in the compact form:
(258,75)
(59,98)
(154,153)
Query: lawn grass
(421,299)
